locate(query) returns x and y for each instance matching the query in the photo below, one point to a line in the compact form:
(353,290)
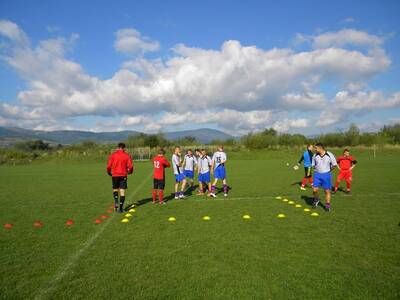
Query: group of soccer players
(324,162)
(184,168)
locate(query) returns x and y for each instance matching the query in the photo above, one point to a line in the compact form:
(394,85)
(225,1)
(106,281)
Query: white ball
(296,167)
(287,164)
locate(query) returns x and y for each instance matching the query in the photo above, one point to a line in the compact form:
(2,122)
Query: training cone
(298,205)
(314,214)
(285,200)
(306,209)
(291,202)
(97,221)
(104,216)
(38,224)
(206,218)
(109,211)
(69,222)
(171,219)
(125,220)
(132,210)
(246,217)
(128,215)
(281,216)
(278,198)
(8,225)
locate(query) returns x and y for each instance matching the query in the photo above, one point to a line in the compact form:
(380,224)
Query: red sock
(348,184)
(160,195)
(310,180)
(154,195)
(303,182)
(336,185)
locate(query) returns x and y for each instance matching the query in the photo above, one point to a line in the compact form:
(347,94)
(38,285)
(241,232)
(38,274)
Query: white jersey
(204,164)
(190,162)
(219,159)
(323,163)
(176,163)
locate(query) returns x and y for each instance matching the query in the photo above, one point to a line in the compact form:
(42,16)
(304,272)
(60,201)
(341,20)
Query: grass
(352,252)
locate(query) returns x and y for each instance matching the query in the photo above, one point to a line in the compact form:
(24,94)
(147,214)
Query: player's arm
(109,165)
(353,164)
(300,160)
(130,165)
(166,163)
(334,163)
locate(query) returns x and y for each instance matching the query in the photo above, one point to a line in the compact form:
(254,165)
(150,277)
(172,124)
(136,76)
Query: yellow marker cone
(285,200)
(306,209)
(132,210)
(128,215)
(126,220)
(171,219)
(291,202)
(278,198)
(206,218)
(246,217)
(281,216)
(314,214)
(298,205)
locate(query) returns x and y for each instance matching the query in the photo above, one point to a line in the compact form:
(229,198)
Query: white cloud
(130,41)
(239,88)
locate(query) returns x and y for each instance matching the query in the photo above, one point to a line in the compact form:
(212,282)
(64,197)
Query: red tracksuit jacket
(119,164)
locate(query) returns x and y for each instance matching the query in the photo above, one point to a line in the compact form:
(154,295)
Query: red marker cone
(38,224)
(109,211)
(8,225)
(69,222)
(104,216)
(98,221)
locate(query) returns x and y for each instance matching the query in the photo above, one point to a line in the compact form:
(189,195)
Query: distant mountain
(11,135)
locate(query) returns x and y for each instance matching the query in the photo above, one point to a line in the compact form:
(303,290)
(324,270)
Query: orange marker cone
(69,222)
(38,224)
(8,225)
(98,221)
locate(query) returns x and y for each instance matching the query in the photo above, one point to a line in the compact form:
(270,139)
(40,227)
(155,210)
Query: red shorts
(345,174)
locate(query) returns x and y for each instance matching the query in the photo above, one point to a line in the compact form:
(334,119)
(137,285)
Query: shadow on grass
(310,200)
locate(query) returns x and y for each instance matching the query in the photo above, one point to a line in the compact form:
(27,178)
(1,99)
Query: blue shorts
(189,174)
(179,177)
(323,180)
(219,172)
(204,177)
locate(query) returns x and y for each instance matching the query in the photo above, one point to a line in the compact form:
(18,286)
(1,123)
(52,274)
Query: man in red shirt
(119,166)
(346,164)
(160,163)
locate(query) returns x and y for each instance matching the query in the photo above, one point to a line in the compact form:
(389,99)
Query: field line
(52,285)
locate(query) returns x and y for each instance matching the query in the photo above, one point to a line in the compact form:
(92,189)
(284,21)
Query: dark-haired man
(323,163)
(118,167)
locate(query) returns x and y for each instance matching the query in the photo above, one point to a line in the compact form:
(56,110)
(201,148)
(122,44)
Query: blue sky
(297,66)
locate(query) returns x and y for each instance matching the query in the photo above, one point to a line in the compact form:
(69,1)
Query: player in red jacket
(346,164)
(119,166)
(159,163)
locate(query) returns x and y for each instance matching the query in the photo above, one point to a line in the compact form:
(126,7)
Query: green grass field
(352,252)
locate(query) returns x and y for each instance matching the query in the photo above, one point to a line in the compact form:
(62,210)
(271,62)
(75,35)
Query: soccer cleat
(303,188)
(213,195)
(225,195)
(315,203)
(327,208)
(121,210)
(116,208)
(181,196)
(163,203)
(348,193)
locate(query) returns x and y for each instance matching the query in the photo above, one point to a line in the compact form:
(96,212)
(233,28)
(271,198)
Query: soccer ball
(287,164)
(296,168)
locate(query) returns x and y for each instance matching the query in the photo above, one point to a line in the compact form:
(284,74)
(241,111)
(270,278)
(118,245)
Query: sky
(305,67)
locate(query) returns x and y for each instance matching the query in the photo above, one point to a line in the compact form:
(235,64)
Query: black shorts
(307,172)
(119,182)
(158,184)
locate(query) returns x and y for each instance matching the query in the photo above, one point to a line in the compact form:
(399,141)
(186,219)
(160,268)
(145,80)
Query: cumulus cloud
(130,41)
(238,88)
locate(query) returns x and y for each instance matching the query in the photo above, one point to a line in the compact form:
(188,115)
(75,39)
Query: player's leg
(214,186)
(201,191)
(304,180)
(225,185)
(155,189)
(161,187)
(181,194)
(327,185)
(316,186)
(176,187)
(338,180)
(116,199)
(121,199)
(348,179)
(328,199)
